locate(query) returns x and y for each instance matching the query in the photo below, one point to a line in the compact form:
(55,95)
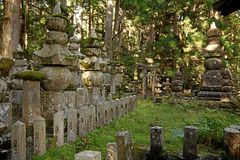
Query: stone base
(209,95)
(53,102)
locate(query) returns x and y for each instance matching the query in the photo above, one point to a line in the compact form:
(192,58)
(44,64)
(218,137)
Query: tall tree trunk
(90,18)
(116,27)
(108,32)
(10,28)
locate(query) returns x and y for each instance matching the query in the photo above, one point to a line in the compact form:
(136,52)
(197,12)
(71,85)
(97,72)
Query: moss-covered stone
(5,66)
(30,75)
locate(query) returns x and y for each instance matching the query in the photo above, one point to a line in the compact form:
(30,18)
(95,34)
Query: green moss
(6,63)
(71,58)
(30,75)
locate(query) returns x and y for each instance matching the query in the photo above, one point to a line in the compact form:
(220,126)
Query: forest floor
(173,119)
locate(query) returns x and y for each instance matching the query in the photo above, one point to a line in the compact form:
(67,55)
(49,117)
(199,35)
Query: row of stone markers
(79,123)
(122,149)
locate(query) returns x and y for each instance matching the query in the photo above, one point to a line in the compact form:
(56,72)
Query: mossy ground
(172,118)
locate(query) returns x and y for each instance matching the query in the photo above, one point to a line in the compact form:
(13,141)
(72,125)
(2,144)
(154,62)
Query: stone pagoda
(215,76)
(177,84)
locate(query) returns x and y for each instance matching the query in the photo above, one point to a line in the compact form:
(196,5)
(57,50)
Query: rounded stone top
(214,31)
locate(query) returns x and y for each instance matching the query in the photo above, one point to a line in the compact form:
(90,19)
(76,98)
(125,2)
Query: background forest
(137,30)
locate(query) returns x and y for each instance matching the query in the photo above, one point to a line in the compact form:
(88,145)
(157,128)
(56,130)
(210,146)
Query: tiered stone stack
(92,76)
(177,84)
(166,88)
(57,63)
(214,79)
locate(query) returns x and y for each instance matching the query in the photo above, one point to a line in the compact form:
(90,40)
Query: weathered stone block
(72,125)
(190,142)
(100,110)
(58,128)
(82,97)
(88,155)
(125,146)
(94,94)
(39,135)
(87,120)
(15,96)
(31,101)
(111,151)
(231,143)
(5,116)
(18,141)
(156,140)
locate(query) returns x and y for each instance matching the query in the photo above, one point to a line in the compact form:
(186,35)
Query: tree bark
(116,28)
(108,32)
(10,28)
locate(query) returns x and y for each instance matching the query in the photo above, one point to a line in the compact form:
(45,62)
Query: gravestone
(232,143)
(82,97)
(58,128)
(190,142)
(18,141)
(72,125)
(156,140)
(125,146)
(31,101)
(39,135)
(112,151)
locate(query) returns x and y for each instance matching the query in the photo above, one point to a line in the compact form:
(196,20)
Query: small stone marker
(88,155)
(156,140)
(72,125)
(124,146)
(39,135)
(112,151)
(18,141)
(232,143)
(190,142)
(58,128)
(31,101)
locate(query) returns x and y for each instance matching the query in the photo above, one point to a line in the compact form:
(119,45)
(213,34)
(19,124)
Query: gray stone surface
(58,128)
(82,97)
(18,141)
(87,120)
(94,94)
(54,101)
(15,96)
(39,135)
(125,146)
(58,78)
(111,151)
(88,155)
(5,116)
(190,142)
(72,125)
(31,101)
